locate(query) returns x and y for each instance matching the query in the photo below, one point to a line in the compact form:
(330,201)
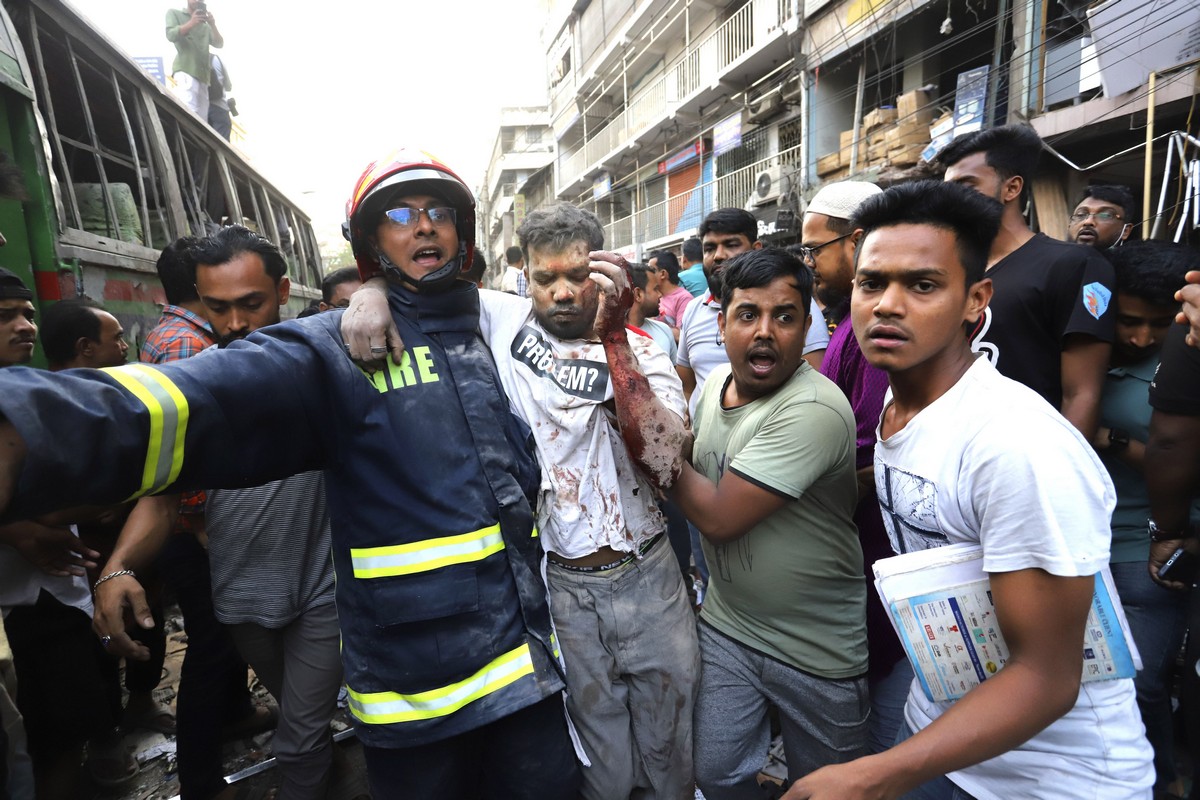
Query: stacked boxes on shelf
(889,135)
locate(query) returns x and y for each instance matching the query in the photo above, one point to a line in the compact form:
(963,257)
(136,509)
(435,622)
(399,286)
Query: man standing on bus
(192,30)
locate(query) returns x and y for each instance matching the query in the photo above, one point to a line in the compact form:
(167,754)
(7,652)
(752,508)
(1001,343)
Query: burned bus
(115,168)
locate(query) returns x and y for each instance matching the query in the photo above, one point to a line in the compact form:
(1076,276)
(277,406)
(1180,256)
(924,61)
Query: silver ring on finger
(105,641)
(379,349)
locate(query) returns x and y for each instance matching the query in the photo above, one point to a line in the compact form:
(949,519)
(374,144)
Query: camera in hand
(1180,567)
(202,8)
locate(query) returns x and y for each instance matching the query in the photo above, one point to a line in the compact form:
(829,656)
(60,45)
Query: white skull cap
(842,199)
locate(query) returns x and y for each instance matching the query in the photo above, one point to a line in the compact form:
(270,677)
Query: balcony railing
(685,211)
(699,67)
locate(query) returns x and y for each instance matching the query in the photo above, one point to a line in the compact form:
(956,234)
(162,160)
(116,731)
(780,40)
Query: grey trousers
(301,666)
(824,720)
(628,637)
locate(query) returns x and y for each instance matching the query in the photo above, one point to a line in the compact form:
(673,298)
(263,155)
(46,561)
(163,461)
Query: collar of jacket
(454,310)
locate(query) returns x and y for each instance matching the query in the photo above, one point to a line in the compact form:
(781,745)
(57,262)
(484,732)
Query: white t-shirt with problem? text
(592,495)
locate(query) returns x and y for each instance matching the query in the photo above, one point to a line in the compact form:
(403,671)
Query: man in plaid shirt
(181,331)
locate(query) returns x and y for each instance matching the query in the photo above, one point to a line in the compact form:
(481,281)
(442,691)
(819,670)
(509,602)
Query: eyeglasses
(809,254)
(1099,216)
(441,217)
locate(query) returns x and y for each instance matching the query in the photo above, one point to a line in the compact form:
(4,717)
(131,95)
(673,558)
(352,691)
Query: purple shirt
(865,386)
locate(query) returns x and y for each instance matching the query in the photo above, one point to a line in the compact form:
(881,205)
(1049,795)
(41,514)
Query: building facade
(663,110)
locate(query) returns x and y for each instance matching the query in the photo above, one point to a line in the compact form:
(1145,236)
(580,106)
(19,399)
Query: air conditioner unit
(791,89)
(770,185)
(765,108)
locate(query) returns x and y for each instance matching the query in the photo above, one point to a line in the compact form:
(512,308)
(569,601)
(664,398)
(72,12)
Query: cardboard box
(910,104)
(906,156)
(879,118)
(829,164)
(877,146)
(846,146)
(904,135)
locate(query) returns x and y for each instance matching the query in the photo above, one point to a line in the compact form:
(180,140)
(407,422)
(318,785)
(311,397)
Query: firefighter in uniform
(449,656)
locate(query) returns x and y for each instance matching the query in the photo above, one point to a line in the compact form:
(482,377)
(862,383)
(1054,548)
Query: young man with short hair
(773,491)
(272,580)
(78,332)
(691,271)
(674,297)
(1048,325)
(646,299)
(1104,217)
(577,376)
(966,455)
(514,280)
(336,288)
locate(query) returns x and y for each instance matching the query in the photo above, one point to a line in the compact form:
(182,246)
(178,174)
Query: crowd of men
(520,490)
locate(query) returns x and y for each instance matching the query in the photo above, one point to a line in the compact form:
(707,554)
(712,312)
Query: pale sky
(326,88)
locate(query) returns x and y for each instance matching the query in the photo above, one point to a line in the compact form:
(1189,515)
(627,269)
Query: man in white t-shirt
(966,455)
(579,377)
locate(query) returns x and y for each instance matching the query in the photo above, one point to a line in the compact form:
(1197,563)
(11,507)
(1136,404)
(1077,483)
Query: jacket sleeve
(241,416)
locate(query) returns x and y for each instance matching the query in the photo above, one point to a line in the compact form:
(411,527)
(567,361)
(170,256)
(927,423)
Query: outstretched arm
(654,434)
(142,538)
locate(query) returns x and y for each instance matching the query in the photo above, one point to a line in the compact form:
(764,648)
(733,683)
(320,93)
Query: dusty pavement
(247,762)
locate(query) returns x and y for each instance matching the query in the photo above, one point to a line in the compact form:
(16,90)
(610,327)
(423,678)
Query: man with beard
(828,243)
(1104,217)
(1049,325)
(272,580)
(646,298)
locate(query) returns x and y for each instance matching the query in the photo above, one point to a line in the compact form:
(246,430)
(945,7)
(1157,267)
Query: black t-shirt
(1044,290)
(1176,385)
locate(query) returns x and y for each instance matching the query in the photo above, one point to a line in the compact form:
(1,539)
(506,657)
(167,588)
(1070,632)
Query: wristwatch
(1158,535)
(1118,438)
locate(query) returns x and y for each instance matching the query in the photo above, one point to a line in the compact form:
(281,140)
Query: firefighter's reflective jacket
(444,618)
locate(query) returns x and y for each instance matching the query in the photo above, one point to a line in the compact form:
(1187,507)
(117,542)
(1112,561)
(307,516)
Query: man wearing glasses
(1103,217)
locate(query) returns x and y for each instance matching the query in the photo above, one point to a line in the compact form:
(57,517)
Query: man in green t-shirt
(772,488)
(192,30)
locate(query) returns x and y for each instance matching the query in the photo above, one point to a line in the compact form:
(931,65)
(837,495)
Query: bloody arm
(654,434)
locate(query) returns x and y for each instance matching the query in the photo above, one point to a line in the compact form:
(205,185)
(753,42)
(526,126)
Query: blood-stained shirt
(592,494)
